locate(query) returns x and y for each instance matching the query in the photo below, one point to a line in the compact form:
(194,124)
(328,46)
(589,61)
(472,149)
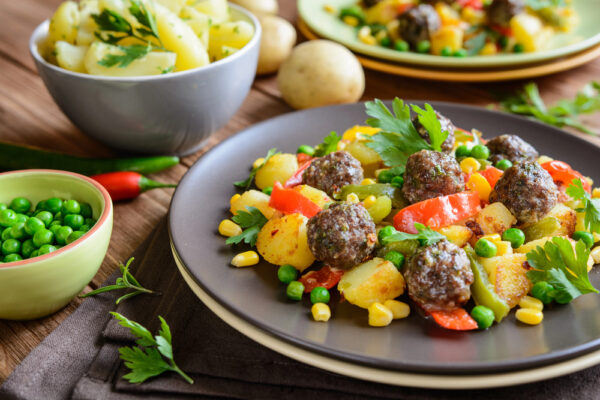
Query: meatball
(418,23)
(512,148)
(431,174)
(527,190)
(501,11)
(370,3)
(333,171)
(342,235)
(439,277)
(446,125)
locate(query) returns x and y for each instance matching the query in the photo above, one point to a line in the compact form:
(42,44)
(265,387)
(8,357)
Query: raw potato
(259,7)
(374,281)
(495,218)
(283,241)
(320,72)
(151,64)
(279,168)
(70,57)
(253,198)
(278,39)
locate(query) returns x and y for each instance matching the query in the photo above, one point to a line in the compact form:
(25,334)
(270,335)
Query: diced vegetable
(290,201)
(495,218)
(278,168)
(253,198)
(456,320)
(377,190)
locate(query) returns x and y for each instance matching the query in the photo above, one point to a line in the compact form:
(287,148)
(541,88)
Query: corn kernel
(352,198)
(321,312)
(229,228)
(595,254)
(364,35)
(245,259)
(596,193)
(368,181)
(494,237)
(480,185)
(531,302)
(258,162)
(234,198)
(369,201)
(329,8)
(350,20)
(489,49)
(380,315)
(544,159)
(469,165)
(529,316)
(341,145)
(399,309)
(503,248)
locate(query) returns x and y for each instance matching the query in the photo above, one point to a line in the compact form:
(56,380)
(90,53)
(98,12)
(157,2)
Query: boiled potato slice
(315,195)
(174,6)
(253,198)
(278,38)
(374,281)
(447,36)
(233,34)
(530,31)
(284,241)
(153,63)
(71,57)
(217,9)
(64,22)
(199,22)
(279,167)
(511,282)
(87,25)
(495,218)
(259,7)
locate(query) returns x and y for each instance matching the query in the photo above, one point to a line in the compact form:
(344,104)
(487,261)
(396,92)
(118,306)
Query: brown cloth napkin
(80,360)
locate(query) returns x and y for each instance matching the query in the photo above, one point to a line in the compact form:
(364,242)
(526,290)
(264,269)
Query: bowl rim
(104,216)
(41,32)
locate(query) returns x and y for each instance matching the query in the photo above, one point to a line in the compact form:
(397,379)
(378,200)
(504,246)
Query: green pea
(3,206)
(268,190)
(6,234)
(17,231)
(86,210)
(385,176)
(286,273)
(385,232)
(401,45)
(319,295)
(462,151)
(515,236)
(53,205)
(12,258)
(294,290)
(42,237)
(32,225)
(70,207)
(397,181)
(54,228)
(503,41)
(518,48)
(90,221)
(7,217)
(11,246)
(40,206)
(45,249)
(446,51)
(543,292)
(55,223)
(21,218)
(34,254)
(20,204)
(460,53)
(75,221)
(74,236)
(483,315)
(58,217)
(504,164)
(480,151)
(305,149)
(485,248)
(395,258)
(85,228)
(27,248)
(423,46)
(62,234)
(385,41)
(46,217)
(587,237)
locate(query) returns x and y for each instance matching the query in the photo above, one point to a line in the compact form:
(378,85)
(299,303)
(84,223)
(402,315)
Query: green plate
(329,26)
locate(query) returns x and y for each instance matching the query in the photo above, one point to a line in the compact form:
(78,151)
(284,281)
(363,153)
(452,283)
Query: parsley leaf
(591,207)
(247,182)
(252,222)
(563,268)
(130,54)
(475,44)
(431,123)
(154,354)
(329,145)
(426,236)
(145,18)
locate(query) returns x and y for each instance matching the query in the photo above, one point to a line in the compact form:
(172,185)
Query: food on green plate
(259,7)
(127,185)
(459,28)
(31,232)
(440,226)
(142,37)
(320,72)
(276,43)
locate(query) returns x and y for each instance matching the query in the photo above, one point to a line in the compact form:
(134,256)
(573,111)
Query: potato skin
(280,168)
(283,240)
(320,72)
(278,39)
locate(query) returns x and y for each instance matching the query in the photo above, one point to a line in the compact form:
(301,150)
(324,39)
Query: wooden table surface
(28,115)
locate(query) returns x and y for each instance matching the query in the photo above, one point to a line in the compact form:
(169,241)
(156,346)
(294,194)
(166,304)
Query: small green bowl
(37,287)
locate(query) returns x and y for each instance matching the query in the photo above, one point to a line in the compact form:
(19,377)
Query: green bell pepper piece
(377,190)
(406,247)
(546,227)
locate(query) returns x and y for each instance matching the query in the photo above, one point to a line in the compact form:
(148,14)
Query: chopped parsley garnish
(252,222)
(247,182)
(130,54)
(329,145)
(591,207)
(426,236)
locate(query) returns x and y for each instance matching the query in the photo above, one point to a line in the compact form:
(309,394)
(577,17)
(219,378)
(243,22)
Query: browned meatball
(431,174)
(370,3)
(512,148)
(501,11)
(439,277)
(446,125)
(333,171)
(527,190)
(342,235)
(418,23)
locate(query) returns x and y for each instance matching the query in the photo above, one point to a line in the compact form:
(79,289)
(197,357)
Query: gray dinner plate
(414,344)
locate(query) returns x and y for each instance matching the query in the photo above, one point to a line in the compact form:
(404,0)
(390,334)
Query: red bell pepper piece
(326,277)
(290,201)
(127,185)
(491,174)
(402,8)
(476,4)
(303,158)
(438,212)
(296,179)
(563,174)
(456,320)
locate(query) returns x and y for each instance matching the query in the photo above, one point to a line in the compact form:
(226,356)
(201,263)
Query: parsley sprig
(127,281)
(591,207)
(329,145)
(561,267)
(247,182)
(152,356)
(252,222)
(426,236)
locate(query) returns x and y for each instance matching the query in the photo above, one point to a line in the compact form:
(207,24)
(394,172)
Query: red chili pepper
(491,174)
(456,320)
(127,185)
(290,201)
(563,174)
(296,179)
(326,277)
